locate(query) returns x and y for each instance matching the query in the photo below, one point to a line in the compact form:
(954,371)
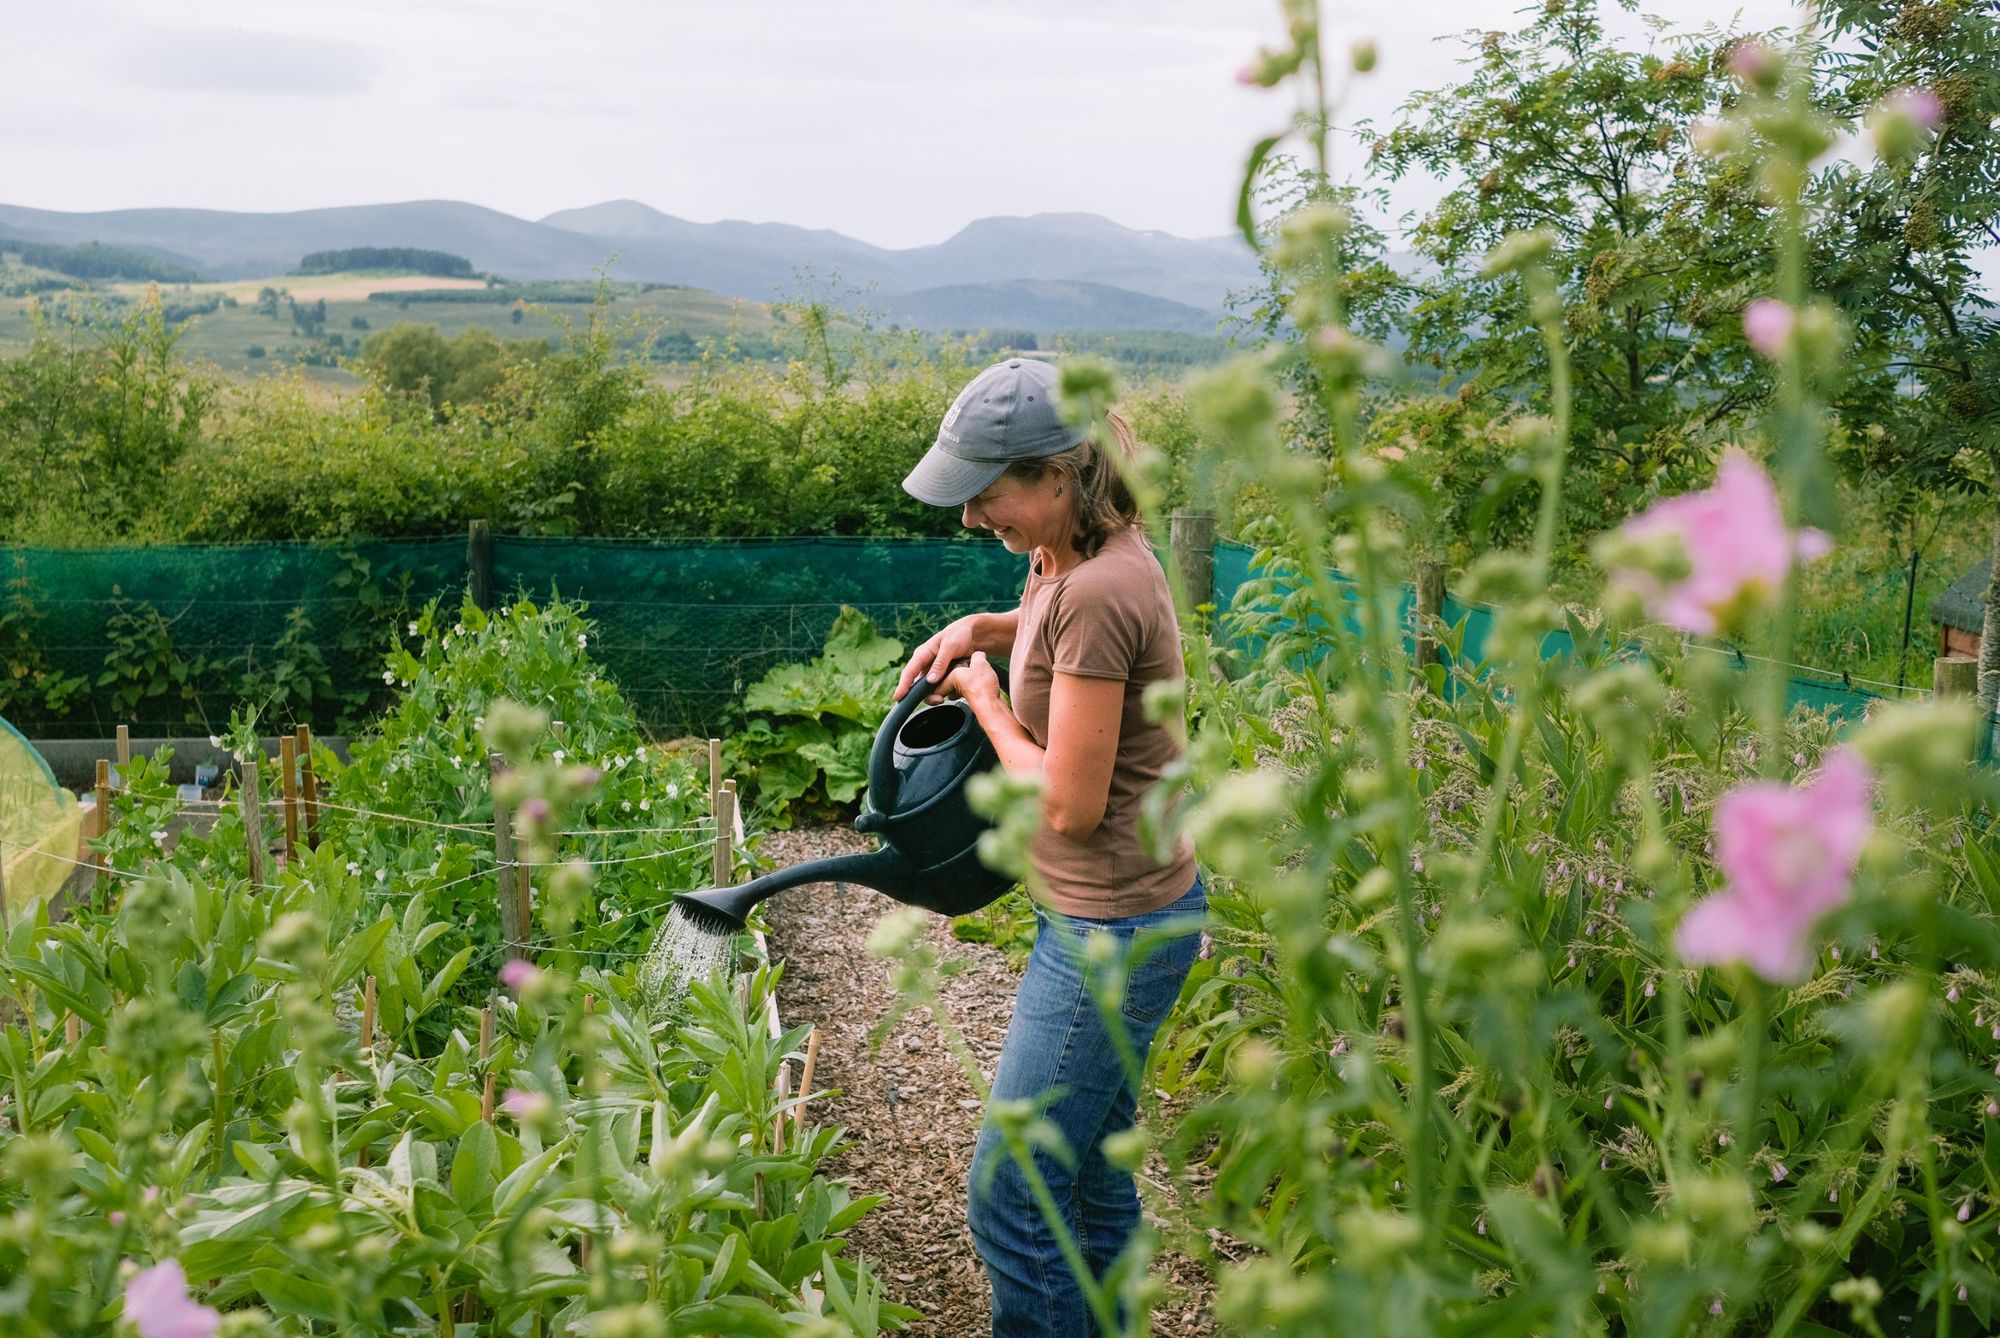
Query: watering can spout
(726,909)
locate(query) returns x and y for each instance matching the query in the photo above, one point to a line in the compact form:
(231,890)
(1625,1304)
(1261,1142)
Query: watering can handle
(882,757)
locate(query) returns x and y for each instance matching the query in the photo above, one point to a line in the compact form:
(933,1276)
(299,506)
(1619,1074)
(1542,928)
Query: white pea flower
(673,790)
(352,867)
(381,875)
(560,754)
(215,740)
(640,752)
(458,629)
(582,640)
(159,838)
(413,627)
(645,806)
(389,677)
(626,806)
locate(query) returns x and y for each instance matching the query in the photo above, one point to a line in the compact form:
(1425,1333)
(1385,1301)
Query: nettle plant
(1563,994)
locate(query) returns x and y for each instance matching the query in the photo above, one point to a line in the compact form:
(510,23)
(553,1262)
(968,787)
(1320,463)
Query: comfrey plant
(1550,993)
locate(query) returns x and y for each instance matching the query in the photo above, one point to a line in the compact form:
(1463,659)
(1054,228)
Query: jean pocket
(1153,984)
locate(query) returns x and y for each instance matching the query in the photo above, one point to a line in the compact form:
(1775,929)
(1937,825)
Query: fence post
(1954,676)
(101,826)
(1191,536)
(511,930)
(479,563)
(124,757)
(1430,606)
(288,786)
(725,833)
(252,800)
(308,786)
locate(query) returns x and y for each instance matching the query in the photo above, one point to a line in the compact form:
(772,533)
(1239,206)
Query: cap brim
(943,479)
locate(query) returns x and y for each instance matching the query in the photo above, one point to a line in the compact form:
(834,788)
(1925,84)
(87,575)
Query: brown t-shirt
(1110,616)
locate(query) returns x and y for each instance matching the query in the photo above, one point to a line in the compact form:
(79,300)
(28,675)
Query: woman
(1094,628)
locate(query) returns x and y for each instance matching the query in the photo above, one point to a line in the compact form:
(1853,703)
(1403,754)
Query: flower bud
(1757,65)
(1363,55)
(1519,251)
(1901,124)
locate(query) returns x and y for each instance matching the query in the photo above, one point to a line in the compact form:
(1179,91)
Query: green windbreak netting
(1256,595)
(168,640)
(685,626)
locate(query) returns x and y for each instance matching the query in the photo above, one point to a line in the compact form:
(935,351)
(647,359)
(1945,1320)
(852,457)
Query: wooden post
(1430,606)
(101,826)
(714,773)
(479,563)
(512,933)
(1191,536)
(486,1099)
(725,835)
(308,786)
(124,757)
(805,1087)
(559,729)
(72,1031)
(288,786)
(368,1015)
(1954,676)
(486,1029)
(252,799)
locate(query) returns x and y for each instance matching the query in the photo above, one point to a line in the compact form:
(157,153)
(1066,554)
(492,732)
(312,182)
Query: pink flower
(1921,105)
(1755,64)
(535,810)
(1787,857)
(1734,538)
(519,973)
(157,1301)
(527,1107)
(1767,325)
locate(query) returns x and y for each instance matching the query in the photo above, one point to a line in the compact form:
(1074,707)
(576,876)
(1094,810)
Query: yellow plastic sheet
(39,822)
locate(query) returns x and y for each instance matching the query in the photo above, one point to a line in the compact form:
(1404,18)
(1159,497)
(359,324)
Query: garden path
(909,1111)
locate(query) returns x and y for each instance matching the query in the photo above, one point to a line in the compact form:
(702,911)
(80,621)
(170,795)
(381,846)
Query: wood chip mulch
(908,1110)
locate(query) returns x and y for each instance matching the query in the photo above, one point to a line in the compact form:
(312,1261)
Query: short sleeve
(1096,628)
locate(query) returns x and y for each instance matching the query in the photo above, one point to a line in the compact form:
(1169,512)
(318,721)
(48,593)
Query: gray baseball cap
(1007,413)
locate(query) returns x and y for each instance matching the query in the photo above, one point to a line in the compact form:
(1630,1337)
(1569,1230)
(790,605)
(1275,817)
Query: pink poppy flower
(1735,542)
(1787,857)
(157,1302)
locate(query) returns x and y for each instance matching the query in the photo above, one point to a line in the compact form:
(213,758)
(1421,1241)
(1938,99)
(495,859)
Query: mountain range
(1045,271)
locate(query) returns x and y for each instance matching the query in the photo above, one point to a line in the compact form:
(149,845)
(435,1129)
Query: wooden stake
(486,1030)
(72,1031)
(559,729)
(1191,540)
(1430,606)
(512,933)
(1955,676)
(124,756)
(288,785)
(725,835)
(102,824)
(368,1015)
(805,1086)
(714,773)
(252,799)
(486,1099)
(309,786)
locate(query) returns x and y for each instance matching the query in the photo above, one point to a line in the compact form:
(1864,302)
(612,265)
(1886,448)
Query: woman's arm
(1075,769)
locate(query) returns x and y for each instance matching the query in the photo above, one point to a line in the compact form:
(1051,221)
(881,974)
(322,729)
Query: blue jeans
(1061,1052)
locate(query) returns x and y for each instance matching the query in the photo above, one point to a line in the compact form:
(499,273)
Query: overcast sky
(895,121)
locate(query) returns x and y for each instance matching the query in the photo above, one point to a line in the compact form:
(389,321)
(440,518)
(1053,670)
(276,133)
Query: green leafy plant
(803,745)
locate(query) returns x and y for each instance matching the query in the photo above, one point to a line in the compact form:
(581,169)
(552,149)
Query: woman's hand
(975,681)
(933,659)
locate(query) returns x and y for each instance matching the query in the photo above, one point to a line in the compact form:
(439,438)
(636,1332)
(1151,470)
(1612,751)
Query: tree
(1895,247)
(415,359)
(1556,128)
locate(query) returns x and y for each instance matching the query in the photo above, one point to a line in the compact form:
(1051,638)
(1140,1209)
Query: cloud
(241,62)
